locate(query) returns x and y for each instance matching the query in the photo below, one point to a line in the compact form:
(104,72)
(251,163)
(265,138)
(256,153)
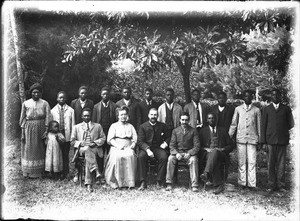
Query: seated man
(153,139)
(215,146)
(88,137)
(184,145)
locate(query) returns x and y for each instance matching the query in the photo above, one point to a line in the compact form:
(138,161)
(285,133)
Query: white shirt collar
(199,105)
(221,108)
(152,123)
(276,105)
(126,101)
(170,106)
(249,107)
(105,104)
(89,123)
(211,128)
(148,102)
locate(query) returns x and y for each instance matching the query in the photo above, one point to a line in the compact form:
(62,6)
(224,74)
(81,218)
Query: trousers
(193,168)
(276,165)
(161,156)
(214,160)
(246,164)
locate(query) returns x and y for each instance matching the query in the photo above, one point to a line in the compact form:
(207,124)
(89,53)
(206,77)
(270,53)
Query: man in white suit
(64,114)
(88,137)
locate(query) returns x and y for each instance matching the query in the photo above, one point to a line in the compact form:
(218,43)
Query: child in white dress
(54,162)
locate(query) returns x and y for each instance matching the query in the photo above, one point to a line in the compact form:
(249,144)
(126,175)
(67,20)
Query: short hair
(222,93)
(170,89)
(277,90)
(185,114)
(211,113)
(153,108)
(86,109)
(149,90)
(124,107)
(251,92)
(105,89)
(195,89)
(51,123)
(83,87)
(127,87)
(62,92)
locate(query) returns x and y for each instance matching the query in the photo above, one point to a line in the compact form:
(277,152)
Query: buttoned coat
(69,118)
(96,132)
(75,104)
(185,142)
(191,109)
(146,134)
(145,109)
(228,112)
(276,124)
(246,124)
(224,140)
(177,110)
(134,112)
(97,112)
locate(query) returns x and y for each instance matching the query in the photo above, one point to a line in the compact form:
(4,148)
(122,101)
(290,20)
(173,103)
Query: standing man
(147,104)
(196,110)
(246,123)
(133,105)
(81,103)
(216,145)
(64,114)
(223,112)
(277,120)
(184,145)
(153,139)
(170,111)
(104,113)
(88,137)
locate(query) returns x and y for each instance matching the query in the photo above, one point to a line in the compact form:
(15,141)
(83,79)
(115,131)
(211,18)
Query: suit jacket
(146,134)
(228,114)
(224,140)
(97,136)
(69,118)
(97,112)
(190,108)
(75,104)
(177,110)
(134,112)
(276,124)
(182,143)
(145,109)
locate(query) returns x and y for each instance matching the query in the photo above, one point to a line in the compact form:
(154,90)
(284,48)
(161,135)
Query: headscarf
(37,86)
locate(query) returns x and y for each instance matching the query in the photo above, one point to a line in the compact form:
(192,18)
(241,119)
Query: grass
(49,199)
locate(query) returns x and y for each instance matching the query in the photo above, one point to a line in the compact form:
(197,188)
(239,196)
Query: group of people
(118,139)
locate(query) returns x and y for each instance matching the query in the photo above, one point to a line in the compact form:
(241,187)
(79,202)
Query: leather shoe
(89,188)
(195,189)
(204,177)
(169,187)
(219,189)
(143,186)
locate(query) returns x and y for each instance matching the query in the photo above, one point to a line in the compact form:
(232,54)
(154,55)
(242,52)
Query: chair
(79,161)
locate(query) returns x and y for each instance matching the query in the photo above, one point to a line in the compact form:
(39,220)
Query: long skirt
(120,168)
(33,151)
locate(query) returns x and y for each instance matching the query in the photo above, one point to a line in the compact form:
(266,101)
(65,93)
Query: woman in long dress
(120,169)
(34,120)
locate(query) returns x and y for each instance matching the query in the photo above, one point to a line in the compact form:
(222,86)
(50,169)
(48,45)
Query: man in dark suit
(81,103)
(215,147)
(133,105)
(147,104)
(196,110)
(223,111)
(277,120)
(104,113)
(153,139)
(184,145)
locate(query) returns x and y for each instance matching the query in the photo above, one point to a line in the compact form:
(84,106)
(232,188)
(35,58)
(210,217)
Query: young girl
(54,162)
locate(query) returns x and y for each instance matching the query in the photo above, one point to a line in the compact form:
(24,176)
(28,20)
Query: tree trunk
(18,61)
(185,70)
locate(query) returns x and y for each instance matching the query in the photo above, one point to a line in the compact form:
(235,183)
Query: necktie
(61,119)
(198,114)
(214,130)
(87,127)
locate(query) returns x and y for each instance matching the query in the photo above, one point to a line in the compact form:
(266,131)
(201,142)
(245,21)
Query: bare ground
(57,200)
